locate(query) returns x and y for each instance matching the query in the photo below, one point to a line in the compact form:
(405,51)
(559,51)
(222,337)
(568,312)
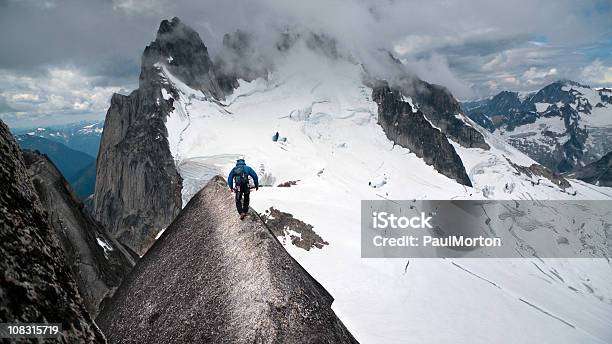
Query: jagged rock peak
(180,49)
(436,103)
(409,127)
(212,278)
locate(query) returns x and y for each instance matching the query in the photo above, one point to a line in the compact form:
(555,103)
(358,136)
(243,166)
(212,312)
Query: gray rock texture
(539,172)
(443,110)
(212,278)
(410,129)
(300,233)
(98,262)
(597,173)
(36,283)
(138,189)
(181,50)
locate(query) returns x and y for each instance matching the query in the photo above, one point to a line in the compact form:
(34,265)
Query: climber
(240,175)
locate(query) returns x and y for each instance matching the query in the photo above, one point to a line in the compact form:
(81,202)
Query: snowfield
(550,133)
(339,155)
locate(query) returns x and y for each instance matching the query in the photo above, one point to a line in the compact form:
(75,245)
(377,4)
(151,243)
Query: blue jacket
(249,171)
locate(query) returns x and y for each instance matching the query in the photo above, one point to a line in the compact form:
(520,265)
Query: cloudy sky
(62,59)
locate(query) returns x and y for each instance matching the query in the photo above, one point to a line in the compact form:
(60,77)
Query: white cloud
(533,76)
(56,90)
(135,7)
(472,47)
(597,73)
(435,69)
(418,43)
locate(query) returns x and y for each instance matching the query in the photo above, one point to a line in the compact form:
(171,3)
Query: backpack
(241,178)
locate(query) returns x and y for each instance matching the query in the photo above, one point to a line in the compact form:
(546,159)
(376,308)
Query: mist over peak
(474,49)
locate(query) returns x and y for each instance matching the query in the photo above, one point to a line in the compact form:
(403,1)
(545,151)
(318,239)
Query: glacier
(336,151)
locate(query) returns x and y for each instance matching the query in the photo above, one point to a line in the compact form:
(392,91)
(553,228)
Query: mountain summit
(180,49)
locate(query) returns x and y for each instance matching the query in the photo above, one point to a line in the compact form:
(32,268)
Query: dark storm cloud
(475,48)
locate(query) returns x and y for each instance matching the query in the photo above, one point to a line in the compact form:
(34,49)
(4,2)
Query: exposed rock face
(284,225)
(36,284)
(138,190)
(597,173)
(182,51)
(98,262)
(537,172)
(212,278)
(562,126)
(410,129)
(443,110)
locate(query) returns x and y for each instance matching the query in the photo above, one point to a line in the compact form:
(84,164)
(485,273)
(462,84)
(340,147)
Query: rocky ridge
(36,283)
(212,278)
(98,262)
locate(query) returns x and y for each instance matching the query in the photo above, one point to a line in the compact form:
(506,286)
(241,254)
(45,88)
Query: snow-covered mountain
(82,136)
(343,134)
(563,126)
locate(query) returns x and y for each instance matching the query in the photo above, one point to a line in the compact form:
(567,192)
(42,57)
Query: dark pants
(242,200)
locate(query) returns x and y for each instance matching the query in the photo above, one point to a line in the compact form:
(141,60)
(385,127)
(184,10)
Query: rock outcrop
(409,128)
(444,111)
(98,262)
(299,233)
(138,189)
(180,49)
(597,173)
(212,278)
(36,283)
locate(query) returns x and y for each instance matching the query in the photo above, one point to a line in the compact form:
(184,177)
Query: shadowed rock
(36,284)
(597,173)
(442,109)
(212,278)
(410,129)
(138,190)
(98,262)
(181,50)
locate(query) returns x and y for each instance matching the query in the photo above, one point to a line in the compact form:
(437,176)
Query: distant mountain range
(82,136)
(76,166)
(563,126)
